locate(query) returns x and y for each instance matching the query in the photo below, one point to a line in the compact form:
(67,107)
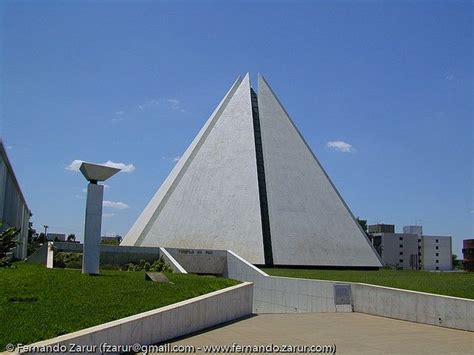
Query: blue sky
(133,82)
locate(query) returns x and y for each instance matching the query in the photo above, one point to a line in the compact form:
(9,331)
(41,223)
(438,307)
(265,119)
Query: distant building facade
(14,211)
(56,237)
(413,230)
(414,251)
(437,252)
(382,228)
(468,254)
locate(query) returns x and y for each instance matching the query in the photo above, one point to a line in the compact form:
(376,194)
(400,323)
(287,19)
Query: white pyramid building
(250,183)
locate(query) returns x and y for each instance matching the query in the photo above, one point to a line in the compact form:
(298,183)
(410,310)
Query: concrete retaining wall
(200,261)
(289,295)
(109,254)
(426,308)
(167,322)
(172,261)
(39,256)
(282,294)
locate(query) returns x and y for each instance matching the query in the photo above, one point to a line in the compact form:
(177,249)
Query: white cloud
(174,104)
(341,146)
(75,165)
(9,147)
(108,215)
(126,168)
(117,205)
(449,77)
(175,159)
(169,103)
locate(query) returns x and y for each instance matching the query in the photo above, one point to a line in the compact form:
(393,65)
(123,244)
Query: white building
(414,251)
(436,253)
(398,249)
(413,230)
(14,211)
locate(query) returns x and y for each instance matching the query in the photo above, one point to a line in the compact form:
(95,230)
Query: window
(419,254)
(437,247)
(437,268)
(419,246)
(401,245)
(401,261)
(400,238)
(401,253)
(437,254)
(437,261)
(437,240)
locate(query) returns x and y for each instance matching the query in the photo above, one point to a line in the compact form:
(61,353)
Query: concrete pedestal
(92,231)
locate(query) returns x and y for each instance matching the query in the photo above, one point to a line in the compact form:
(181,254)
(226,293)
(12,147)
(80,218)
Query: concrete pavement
(352,333)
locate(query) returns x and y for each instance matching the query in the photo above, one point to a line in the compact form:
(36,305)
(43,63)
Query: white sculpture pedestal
(92,230)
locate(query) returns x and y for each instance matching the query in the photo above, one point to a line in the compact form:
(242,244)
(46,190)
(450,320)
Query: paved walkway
(352,333)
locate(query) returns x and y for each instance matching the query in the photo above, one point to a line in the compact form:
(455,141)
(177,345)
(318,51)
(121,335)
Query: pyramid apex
(249,182)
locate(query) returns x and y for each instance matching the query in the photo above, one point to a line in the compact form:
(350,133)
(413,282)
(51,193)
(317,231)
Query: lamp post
(93,223)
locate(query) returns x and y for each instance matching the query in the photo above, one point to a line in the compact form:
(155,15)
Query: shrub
(67,260)
(159,265)
(7,244)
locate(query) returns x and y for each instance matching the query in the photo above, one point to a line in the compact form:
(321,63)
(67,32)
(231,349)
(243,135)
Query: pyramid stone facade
(250,183)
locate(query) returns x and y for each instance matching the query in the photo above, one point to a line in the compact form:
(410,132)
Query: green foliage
(115,241)
(457,264)
(363,224)
(74,261)
(391,267)
(457,284)
(159,265)
(7,243)
(38,303)
(111,267)
(67,260)
(42,238)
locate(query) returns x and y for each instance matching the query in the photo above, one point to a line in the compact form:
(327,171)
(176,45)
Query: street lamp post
(93,223)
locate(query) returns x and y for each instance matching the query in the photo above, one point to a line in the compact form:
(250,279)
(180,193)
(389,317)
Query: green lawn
(38,303)
(458,284)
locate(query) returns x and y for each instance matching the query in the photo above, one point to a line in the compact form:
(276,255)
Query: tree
(31,233)
(71,238)
(32,240)
(457,264)
(42,238)
(7,244)
(363,224)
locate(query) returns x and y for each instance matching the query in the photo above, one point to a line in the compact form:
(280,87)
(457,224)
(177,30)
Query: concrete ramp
(200,261)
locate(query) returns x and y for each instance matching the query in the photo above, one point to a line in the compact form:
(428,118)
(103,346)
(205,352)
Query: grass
(457,284)
(38,303)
